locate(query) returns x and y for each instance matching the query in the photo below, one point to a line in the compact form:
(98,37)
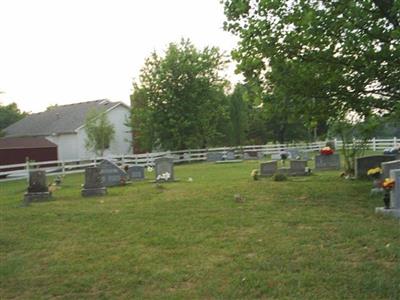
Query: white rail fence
(20,171)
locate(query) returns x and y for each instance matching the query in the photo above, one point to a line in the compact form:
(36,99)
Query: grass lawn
(313,237)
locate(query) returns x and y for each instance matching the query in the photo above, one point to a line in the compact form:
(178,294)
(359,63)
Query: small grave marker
(37,189)
(136,172)
(93,185)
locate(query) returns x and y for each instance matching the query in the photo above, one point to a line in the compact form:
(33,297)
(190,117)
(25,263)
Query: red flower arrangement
(326,151)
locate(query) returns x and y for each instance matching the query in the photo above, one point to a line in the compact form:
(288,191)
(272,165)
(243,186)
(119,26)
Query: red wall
(18,156)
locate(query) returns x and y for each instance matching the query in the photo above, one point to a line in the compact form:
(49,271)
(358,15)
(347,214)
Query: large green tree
(179,101)
(9,114)
(329,57)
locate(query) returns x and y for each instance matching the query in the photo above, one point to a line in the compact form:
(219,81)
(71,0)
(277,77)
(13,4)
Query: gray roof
(57,120)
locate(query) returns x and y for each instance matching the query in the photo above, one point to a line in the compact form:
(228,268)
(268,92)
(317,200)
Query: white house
(64,125)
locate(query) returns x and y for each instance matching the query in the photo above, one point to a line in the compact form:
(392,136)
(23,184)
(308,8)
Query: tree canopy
(9,114)
(328,57)
(99,132)
(179,100)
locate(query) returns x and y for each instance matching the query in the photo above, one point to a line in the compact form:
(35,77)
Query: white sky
(66,51)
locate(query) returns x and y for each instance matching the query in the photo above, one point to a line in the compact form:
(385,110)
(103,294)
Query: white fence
(20,171)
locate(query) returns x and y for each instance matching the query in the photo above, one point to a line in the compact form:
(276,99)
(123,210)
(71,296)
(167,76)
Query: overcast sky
(66,51)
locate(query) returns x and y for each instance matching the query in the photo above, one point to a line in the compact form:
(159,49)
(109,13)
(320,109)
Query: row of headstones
(255,155)
(299,167)
(98,178)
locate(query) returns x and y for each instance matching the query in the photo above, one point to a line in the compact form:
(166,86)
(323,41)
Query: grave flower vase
(386,199)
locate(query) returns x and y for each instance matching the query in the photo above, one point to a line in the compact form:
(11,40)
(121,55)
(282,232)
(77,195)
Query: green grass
(313,237)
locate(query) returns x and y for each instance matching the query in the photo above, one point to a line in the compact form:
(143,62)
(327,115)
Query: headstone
(93,185)
(363,164)
(260,155)
(394,209)
(395,193)
(298,167)
(251,155)
(327,162)
(388,166)
(214,156)
(163,166)
(268,168)
(111,174)
(136,172)
(186,156)
(230,155)
(276,156)
(37,189)
(293,154)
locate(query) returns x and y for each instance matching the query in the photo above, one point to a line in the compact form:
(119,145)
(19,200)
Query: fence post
(394,141)
(27,169)
(335,143)
(374,144)
(63,168)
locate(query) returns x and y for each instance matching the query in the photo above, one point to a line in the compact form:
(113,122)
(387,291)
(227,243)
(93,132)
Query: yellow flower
(254,173)
(374,171)
(388,183)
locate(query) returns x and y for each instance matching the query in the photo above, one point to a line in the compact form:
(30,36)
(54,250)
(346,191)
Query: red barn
(16,150)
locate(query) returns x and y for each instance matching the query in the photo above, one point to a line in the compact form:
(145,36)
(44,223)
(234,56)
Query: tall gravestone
(93,185)
(214,156)
(136,172)
(327,162)
(162,166)
(268,168)
(394,209)
(363,164)
(388,166)
(111,174)
(37,189)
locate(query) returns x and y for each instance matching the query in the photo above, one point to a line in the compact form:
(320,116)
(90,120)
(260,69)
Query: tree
(179,101)
(9,114)
(99,132)
(328,56)
(238,112)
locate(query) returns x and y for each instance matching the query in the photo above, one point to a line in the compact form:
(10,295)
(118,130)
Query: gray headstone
(230,155)
(294,154)
(327,162)
(136,172)
(214,156)
(111,174)
(37,189)
(363,164)
(388,166)
(37,182)
(164,165)
(93,185)
(276,156)
(268,168)
(395,193)
(298,167)
(250,155)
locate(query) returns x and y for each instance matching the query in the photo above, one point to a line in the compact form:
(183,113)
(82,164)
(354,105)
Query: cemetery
(215,223)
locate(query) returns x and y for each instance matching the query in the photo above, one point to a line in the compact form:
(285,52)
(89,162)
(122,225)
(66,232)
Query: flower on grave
(374,172)
(165,176)
(122,181)
(254,174)
(326,151)
(388,184)
(149,169)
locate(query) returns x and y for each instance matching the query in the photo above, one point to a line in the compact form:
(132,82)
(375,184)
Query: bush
(280,177)
(330,144)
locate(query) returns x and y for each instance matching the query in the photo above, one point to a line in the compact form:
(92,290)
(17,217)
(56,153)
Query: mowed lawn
(313,237)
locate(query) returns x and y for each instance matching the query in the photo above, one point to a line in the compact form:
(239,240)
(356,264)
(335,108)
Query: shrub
(280,177)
